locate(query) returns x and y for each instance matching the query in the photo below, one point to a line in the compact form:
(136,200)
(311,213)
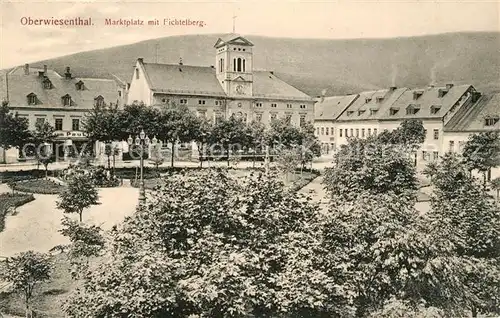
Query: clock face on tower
(239,89)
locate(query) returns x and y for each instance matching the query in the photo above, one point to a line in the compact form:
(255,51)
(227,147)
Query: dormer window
(99,101)
(367,100)
(66,100)
(417,94)
(373,111)
(360,112)
(442,92)
(32,99)
(412,109)
(491,121)
(350,112)
(435,109)
(393,111)
(47,84)
(80,86)
(379,99)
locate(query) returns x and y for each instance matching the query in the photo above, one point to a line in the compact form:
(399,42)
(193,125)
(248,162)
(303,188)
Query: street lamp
(141,140)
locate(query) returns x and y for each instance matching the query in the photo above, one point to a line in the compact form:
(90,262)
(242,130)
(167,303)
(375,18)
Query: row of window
(219,103)
(66,100)
(346,132)
(47,84)
(58,123)
(359,132)
(258,117)
(274,105)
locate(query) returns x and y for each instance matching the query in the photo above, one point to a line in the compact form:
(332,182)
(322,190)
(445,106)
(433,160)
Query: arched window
(234,65)
(244,65)
(239,64)
(137,73)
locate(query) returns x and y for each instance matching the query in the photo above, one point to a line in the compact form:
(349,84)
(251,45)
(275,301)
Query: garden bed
(40,186)
(21,175)
(8,200)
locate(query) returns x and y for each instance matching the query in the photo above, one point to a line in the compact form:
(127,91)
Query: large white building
(231,87)
(449,114)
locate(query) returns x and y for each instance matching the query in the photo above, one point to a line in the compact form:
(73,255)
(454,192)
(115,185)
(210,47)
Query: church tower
(234,63)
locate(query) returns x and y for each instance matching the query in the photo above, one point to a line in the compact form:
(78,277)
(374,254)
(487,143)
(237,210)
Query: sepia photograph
(249,159)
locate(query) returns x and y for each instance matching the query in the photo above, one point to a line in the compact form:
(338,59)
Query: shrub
(8,200)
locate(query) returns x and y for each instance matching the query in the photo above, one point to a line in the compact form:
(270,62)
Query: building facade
(42,95)
(449,115)
(230,88)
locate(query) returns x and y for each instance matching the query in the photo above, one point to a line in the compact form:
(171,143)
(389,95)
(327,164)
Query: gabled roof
(232,38)
(474,119)
(182,79)
(329,108)
(428,99)
(369,105)
(20,85)
(268,85)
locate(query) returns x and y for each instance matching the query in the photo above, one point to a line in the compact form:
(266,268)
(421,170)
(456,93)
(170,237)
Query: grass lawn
(48,296)
(8,200)
(41,186)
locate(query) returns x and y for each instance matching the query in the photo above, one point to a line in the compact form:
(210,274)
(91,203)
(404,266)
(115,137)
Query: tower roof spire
(234,23)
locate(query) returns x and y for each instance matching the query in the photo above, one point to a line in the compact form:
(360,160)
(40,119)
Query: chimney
(68,73)
(45,70)
(180,61)
(140,60)
(26,69)
(449,86)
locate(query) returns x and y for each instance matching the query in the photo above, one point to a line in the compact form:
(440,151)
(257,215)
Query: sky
(340,19)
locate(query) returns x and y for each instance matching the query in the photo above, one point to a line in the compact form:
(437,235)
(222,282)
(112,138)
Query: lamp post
(141,140)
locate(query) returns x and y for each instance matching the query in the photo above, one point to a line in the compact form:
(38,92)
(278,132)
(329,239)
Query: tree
(379,247)
(210,245)
(256,132)
(86,241)
(482,152)
(288,160)
(283,134)
(495,185)
(43,138)
(104,123)
(202,136)
(370,166)
(430,170)
(80,194)
(178,124)
(156,156)
(25,271)
(231,134)
(13,129)
(463,212)
(311,146)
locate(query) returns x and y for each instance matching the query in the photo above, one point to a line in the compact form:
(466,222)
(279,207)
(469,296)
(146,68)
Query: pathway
(36,224)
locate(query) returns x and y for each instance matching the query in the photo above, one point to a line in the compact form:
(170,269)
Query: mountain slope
(312,65)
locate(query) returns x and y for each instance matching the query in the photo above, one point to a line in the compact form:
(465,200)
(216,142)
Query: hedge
(8,200)
(40,186)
